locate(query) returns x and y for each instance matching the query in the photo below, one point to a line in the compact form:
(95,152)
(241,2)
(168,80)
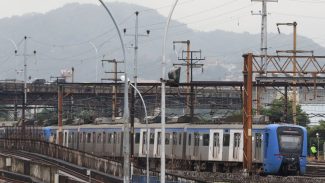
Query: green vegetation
(276,112)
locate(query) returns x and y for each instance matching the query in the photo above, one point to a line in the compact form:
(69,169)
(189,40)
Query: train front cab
(285,150)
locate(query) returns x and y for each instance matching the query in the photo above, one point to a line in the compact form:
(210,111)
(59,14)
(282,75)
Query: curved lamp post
(126,147)
(163,94)
(146,119)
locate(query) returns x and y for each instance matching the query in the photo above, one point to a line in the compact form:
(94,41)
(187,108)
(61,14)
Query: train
(277,149)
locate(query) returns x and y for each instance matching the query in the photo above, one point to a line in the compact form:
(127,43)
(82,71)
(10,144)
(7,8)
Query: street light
(317,136)
(163,95)
(146,119)
(126,147)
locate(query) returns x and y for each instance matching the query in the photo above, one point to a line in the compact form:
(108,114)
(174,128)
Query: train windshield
(290,140)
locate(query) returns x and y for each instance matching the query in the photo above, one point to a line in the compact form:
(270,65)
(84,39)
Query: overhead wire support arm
(114,79)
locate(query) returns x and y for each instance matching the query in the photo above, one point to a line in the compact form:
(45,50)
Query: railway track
(316,169)
(78,174)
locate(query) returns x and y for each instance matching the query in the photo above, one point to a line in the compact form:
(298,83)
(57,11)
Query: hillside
(80,36)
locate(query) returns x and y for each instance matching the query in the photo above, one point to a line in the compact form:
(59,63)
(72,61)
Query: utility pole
(134,94)
(136,47)
(24,104)
(294,68)
(263,46)
(60,107)
(114,79)
(188,44)
(193,64)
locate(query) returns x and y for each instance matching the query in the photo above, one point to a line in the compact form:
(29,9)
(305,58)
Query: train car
(276,148)
(285,149)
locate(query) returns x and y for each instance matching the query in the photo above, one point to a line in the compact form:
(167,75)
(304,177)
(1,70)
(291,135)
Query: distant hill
(80,36)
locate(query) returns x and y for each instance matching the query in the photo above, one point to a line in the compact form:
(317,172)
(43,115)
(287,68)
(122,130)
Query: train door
(174,143)
(144,142)
(93,145)
(104,143)
(66,138)
(151,143)
(184,145)
(225,145)
(258,147)
(137,148)
(236,145)
(196,144)
(215,150)
(114,143)
(72,140)
(157,142)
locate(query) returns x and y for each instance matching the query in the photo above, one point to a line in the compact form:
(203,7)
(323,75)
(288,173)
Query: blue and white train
(277,148)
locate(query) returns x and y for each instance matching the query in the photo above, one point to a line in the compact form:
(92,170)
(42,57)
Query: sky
(209,15)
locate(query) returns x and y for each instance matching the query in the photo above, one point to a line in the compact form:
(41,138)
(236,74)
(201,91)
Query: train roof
(158,125)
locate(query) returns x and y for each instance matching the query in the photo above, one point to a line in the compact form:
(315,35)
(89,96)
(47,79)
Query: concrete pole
(188,58)
(163,95)
(136,36)
(25,87)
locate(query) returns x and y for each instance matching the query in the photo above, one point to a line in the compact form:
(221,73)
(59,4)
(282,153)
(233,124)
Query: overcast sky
(207,15)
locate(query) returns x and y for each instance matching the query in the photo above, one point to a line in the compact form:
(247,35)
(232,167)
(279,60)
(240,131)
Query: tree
(47,117)
(87,115)
(276,112)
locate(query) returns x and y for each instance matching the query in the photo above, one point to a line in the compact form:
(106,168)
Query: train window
(180,138)
(159,137)
(65,137)
(109,138)
(70,139)
(152,138)
(73,137)
(94,137)
(196,139)
(167,138)
(258,140)
(206,139)
(290,142)
(117,138)
(79,137)
(189,139)
(226,139)
(144,138)
(88,137)
(114,138)
(216,140)
(236,139)
(99,138)
(84,137)
(174,138)
(137,138)
(104,137)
